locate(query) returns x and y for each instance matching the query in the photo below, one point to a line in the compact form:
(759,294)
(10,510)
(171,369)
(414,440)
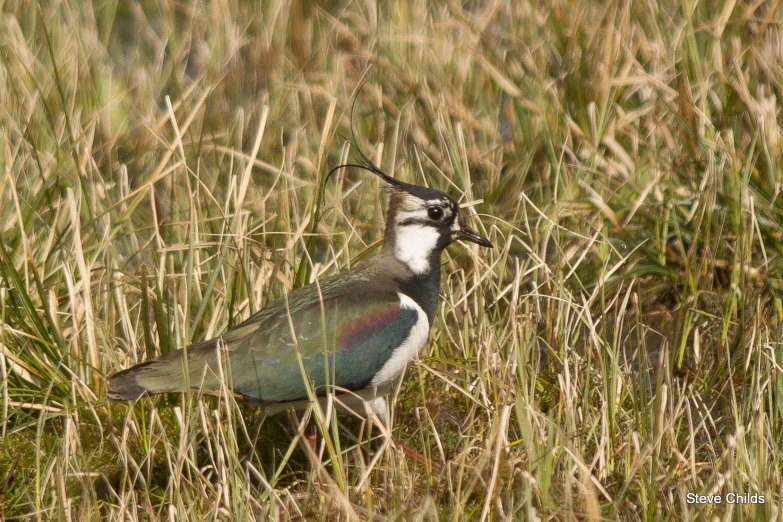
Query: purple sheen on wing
(357,331)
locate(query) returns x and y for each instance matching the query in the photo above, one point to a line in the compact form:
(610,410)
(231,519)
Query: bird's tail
(167,374)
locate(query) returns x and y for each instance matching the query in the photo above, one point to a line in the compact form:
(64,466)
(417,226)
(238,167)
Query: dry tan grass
(618,350)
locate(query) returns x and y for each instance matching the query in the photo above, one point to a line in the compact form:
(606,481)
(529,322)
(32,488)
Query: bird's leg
(311,439)
(308,433)
(378,405)
(418,457)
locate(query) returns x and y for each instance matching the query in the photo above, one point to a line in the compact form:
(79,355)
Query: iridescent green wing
(343,340)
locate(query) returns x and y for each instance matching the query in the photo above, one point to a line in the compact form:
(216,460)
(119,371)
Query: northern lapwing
(353,333)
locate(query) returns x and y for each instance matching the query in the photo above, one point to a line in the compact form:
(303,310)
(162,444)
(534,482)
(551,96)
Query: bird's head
(420,221)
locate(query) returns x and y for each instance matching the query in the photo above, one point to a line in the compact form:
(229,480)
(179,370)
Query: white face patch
(409,349)
(414,244)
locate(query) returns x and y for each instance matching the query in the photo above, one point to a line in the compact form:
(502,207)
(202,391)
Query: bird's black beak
(468,234)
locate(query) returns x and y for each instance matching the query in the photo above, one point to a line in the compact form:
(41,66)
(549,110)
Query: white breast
(409,349)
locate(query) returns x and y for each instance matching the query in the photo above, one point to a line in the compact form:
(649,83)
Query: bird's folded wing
(341,341)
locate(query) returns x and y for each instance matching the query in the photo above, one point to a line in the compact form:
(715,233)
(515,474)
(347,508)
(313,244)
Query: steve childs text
(729,498)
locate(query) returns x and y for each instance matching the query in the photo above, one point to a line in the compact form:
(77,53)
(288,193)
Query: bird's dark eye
(435,213)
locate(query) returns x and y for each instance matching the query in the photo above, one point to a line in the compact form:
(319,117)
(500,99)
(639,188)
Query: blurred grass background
(617,350)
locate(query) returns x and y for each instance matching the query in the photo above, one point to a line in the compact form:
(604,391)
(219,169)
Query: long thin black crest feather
(366,164)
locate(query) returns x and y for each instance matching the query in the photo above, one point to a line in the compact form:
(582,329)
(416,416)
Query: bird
(352,334)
